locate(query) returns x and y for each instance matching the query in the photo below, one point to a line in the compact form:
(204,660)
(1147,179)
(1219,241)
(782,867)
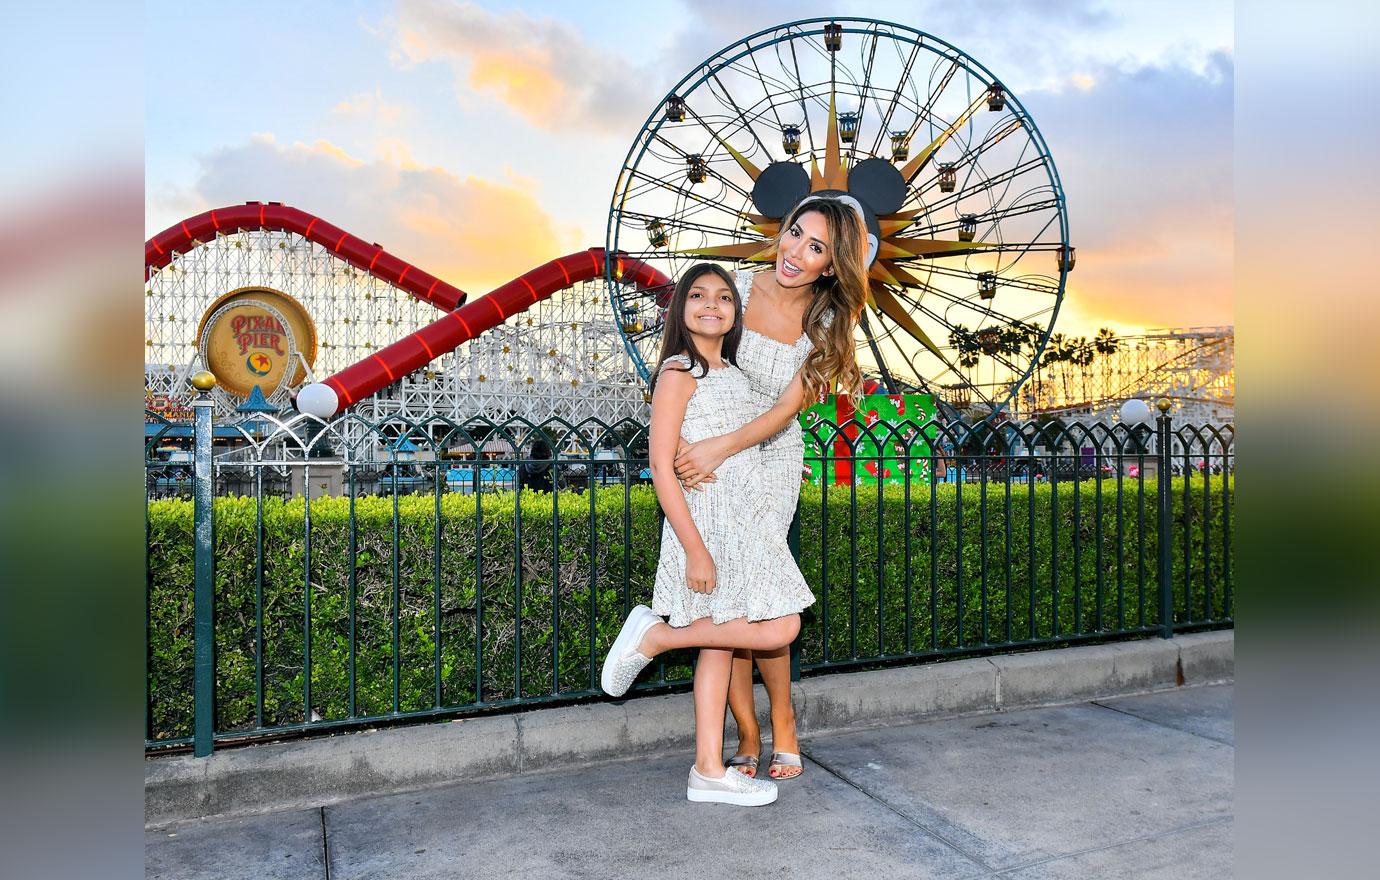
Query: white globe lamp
(318,399)
(1135,412)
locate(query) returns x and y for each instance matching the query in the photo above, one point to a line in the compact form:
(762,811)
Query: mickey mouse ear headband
(875,187)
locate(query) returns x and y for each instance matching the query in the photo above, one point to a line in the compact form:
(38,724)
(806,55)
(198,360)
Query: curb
(319,772)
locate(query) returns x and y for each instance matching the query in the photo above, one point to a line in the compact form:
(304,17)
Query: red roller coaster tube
(412,352)
(369,257)
(415,351)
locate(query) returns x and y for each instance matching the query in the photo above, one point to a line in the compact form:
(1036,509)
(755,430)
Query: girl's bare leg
(764,635)
(740,700)
(711,690)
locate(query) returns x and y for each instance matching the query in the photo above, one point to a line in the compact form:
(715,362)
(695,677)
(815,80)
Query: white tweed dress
(770,366)
(756,577)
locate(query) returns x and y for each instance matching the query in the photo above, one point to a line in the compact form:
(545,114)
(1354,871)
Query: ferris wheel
(956,182)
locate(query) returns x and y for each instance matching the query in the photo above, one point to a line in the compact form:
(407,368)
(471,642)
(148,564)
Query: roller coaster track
(463,320)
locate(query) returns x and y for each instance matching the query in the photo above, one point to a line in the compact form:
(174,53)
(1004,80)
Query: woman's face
(710,306)
(806,252)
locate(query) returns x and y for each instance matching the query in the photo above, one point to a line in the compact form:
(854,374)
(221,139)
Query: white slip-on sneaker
(623,662)
(733,788)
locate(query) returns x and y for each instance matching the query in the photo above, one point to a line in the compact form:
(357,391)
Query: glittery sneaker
(733,788)
(623,662)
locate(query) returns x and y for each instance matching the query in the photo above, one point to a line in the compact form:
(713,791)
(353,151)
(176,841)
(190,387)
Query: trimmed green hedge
(478,534)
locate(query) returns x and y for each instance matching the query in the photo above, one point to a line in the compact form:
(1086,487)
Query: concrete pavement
(325,770)
(1125,787)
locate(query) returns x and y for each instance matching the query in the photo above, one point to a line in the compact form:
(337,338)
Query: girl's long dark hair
(675,336)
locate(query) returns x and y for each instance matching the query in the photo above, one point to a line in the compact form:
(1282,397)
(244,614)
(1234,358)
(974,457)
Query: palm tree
(958,337)
(1082,355)
(965,346)
(1033,333)
(1106,341)
(1107,344)
(1010,341)
(1058,352)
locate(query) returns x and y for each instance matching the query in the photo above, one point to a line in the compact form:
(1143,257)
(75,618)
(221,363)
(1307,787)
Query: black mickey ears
(779,188)
(878,185)
(875,183)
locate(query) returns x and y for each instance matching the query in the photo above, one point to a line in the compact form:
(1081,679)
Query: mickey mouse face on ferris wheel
(874,185)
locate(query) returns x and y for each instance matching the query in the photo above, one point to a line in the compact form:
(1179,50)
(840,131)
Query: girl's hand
(700,573)
(696,462)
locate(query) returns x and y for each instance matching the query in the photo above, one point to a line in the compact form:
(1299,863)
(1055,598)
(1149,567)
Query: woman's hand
(700,572)
(696,462)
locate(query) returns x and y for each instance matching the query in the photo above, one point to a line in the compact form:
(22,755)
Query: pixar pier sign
(260,332)
(257,336)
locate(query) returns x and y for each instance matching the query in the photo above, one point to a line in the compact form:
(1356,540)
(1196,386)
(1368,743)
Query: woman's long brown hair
(833,360)
(675,336)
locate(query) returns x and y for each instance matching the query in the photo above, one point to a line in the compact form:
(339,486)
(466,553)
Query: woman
(798,318)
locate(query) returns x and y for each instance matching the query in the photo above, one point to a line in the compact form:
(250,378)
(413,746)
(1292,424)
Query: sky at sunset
(478,140)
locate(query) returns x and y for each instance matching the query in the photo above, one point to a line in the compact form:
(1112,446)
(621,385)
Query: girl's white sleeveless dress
(736,515)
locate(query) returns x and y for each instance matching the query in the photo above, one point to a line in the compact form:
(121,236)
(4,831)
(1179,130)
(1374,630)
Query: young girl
(725,580)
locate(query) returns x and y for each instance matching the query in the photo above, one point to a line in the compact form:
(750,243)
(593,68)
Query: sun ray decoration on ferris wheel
(959,186)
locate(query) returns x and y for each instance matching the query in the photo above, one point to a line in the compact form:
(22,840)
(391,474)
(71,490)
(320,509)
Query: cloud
(1145,157)
(1139,122)
(472,232)
(371,105)
(542,69)
(1023,43)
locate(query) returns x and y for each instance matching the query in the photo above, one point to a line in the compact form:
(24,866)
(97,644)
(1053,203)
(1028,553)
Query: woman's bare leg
(764,635)
(775,667)
(712,670)
(740,700)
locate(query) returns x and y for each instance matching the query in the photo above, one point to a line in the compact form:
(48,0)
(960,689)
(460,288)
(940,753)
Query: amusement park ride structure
(959,188)
(1193,367)
(955,181)
(562,356)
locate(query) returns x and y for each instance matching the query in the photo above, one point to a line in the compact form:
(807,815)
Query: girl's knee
(785,629)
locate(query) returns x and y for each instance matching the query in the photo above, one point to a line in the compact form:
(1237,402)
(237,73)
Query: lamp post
(204,596)
(1166,523)
(319,400)
(1135,415)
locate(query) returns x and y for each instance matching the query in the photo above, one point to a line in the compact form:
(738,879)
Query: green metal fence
(318,577)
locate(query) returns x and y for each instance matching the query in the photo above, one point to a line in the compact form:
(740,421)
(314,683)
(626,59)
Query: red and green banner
(892,421)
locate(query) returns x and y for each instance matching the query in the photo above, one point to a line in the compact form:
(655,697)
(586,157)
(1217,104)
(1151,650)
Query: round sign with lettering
(257,336)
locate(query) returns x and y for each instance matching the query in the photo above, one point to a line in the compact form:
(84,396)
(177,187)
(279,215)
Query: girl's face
(805,253)
(710,306)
